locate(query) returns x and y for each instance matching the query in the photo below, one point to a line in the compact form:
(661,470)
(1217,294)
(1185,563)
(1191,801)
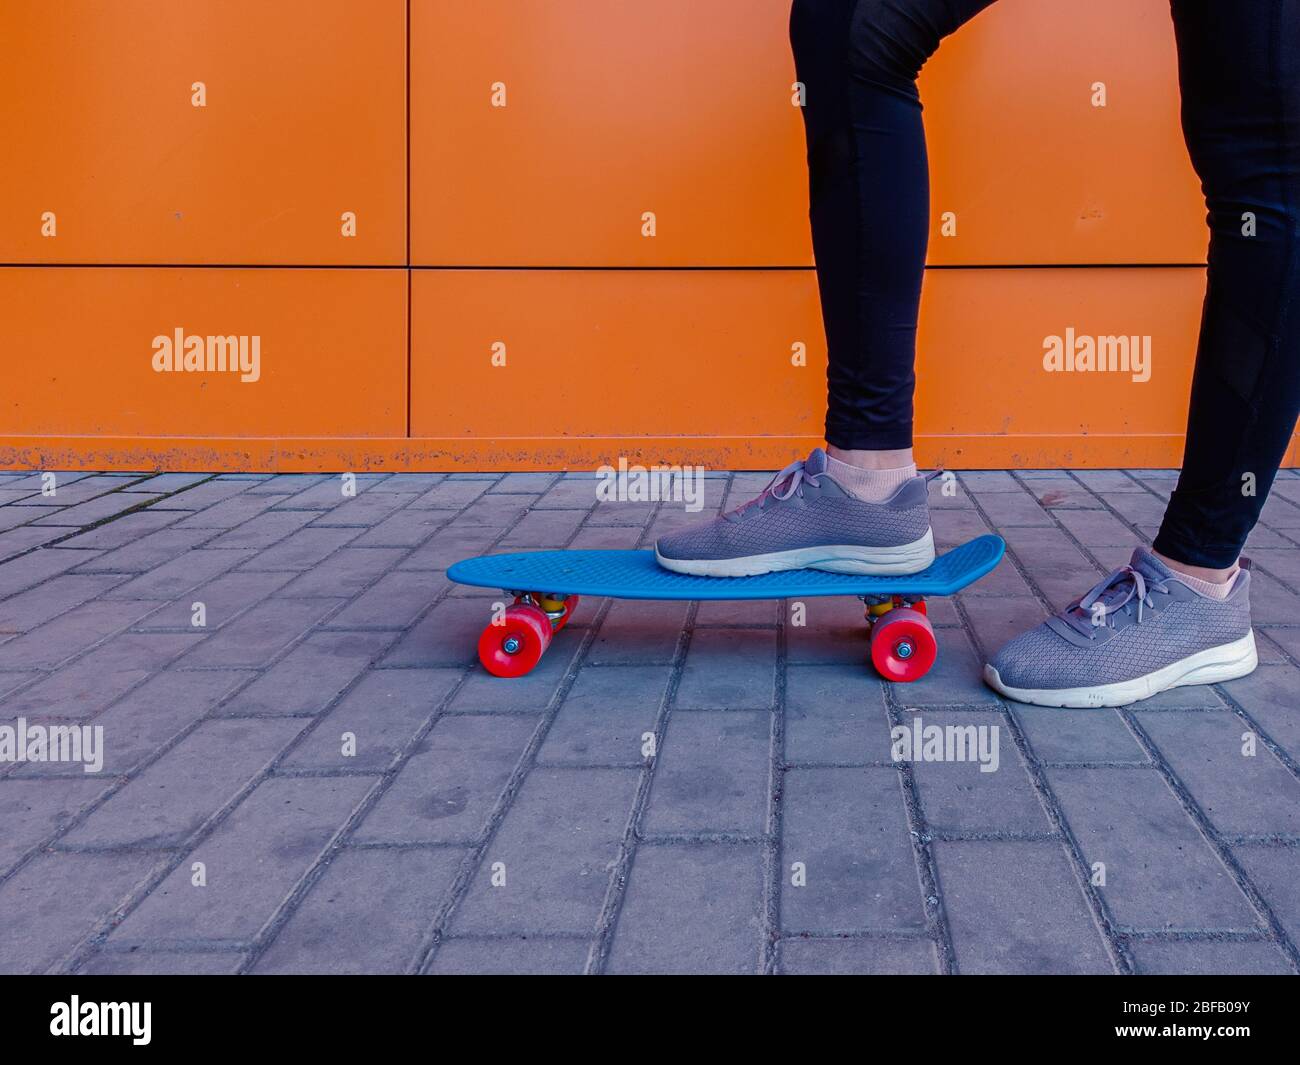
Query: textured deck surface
(636,575)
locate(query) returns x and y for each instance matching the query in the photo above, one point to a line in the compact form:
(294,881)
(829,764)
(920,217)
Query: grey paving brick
(261,531)
(11,681)
(605,715)
(638,633)
(27,610)
(1017,908)
(521,955)
(223,599)
(1097,528)
(833,631)
(345,573)
(1137,509)
(20,540)
(237,510)
(948,494)
(447,790)
(556,846)
(1060,735)
(1108,482)
(868,957)
(1269,696)
(406,528)
(29,570)
(543,528)
(302,550)
(382,713)
(995,621)
(172,797)
(1011,509)
(142,721)
(1275,872)
(530,694)
(203,495)
(147,552)
(449,545)
(957,677)
(958,796)
(311,676)
(180,574)
(451,495)
(712,774)
(163,963)
(290,483)
(93,510)
(956,526)
(526,483)
(849,829)
(96,679)
(393,602)
(168,482)
(71,633)
(729,669)
(726,613)
(632,515)
(1271,603)
(68,492)
(1241,795)
(985,482)
(568,495)
(365,510)
(448,636)
(835,714)
(326,494)
(1208,958)
(415,483)
(495,511)
(255,637)
(54,922)
(1062,496)
(368,913)
(252,861)
(34,810)
(715,894)
(1160,871)
(1059,569)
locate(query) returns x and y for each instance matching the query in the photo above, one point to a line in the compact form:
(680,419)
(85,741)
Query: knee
(890,41)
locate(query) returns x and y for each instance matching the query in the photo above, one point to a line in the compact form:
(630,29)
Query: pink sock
(1212,589)
(871,486)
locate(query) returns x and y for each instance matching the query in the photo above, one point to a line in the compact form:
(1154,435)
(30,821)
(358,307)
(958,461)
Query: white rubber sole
(834,558)
(1225,662)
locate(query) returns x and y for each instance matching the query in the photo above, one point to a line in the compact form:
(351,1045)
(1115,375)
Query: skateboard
(547,586)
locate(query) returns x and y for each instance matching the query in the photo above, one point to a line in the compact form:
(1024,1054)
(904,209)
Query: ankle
(873,460)
(1214,583)
(869,485)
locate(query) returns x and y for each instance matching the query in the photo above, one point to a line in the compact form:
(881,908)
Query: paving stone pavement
(305,770)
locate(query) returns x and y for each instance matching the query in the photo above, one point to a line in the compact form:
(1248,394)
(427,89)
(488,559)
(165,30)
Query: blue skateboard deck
(636,575)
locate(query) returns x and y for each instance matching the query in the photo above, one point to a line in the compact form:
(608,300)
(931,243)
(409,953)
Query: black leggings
(1239,71)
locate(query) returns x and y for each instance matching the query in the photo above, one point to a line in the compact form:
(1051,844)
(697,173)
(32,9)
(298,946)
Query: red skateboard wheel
(570,605)
(512,648)
(903,647)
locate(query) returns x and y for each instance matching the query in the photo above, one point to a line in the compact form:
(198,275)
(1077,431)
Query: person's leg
(1239,70)
(858,61)
(1180,614)
(863,508)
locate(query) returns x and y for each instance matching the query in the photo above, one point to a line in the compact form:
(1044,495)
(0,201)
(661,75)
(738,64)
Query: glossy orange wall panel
(698,367)
(1033,170)
(674,107)
(304,120)
(684,109)
(80,349)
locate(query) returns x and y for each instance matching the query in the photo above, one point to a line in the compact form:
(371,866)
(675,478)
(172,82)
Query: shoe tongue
(1149,566)
(815,463)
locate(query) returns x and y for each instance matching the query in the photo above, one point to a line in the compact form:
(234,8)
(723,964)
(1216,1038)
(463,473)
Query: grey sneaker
(804,520)
(1137,632)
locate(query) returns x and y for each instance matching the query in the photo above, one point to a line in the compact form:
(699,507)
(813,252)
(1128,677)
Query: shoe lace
(794,474)
(1117,592)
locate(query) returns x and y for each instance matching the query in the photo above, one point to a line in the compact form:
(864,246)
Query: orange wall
(128,213)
